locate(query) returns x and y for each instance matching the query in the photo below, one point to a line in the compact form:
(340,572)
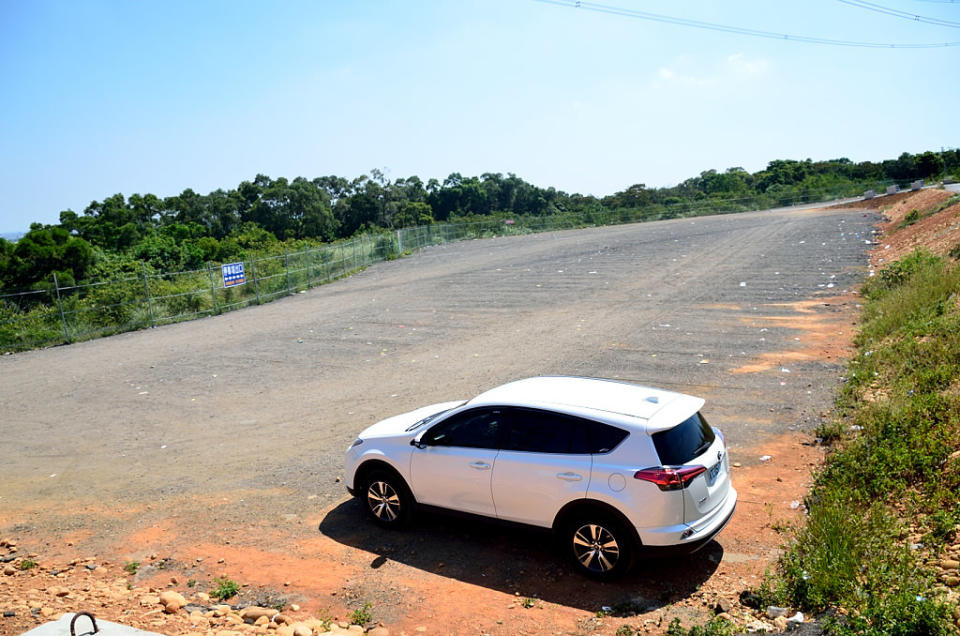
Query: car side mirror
(418,442)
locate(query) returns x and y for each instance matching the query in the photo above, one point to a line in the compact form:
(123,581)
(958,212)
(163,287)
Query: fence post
(286,267)
(256,285)
(213,289)
(146,290)
(400,241)
(63,318)
(343,261)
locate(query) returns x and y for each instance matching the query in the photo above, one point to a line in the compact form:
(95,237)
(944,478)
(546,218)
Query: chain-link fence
(52,314)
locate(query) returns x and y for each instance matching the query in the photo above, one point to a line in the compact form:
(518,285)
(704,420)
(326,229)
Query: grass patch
(131,567)
(28,564)
(890,477)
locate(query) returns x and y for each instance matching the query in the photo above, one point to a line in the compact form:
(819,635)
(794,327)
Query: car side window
(604,438)
(477,428)
(536,431)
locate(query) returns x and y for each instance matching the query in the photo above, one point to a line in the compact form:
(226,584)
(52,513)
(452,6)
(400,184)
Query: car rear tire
(387,500)
(600,546)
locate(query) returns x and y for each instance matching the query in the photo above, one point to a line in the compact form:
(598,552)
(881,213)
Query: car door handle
(480,465)
(569,476)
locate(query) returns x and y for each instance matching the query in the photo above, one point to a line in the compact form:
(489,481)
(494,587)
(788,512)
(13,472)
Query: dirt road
(223,437)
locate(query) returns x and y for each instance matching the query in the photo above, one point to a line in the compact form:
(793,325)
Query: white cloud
(686,72)
(740,64)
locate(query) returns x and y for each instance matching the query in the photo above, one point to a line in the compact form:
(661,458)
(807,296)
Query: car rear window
(680,444)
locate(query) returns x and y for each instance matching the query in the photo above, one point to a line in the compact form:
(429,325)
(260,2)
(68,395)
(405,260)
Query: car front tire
(600,546)
(387,500)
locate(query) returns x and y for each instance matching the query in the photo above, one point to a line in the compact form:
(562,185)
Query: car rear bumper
(687,538)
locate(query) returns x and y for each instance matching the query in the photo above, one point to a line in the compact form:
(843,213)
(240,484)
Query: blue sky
(100,97)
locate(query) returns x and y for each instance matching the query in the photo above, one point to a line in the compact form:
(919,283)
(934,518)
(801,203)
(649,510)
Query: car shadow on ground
(526,563)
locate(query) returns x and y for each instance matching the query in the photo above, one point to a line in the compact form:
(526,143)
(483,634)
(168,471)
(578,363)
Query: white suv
(610,466)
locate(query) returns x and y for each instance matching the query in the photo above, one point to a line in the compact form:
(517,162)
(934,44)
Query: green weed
(225,588)
(715,627)
(362,615)
(28,564)
(131,567)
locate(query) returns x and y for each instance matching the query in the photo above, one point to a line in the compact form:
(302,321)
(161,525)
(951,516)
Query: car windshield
(430,418)
(683,442)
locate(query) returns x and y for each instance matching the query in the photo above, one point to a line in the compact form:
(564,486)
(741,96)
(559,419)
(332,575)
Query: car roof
(612,400)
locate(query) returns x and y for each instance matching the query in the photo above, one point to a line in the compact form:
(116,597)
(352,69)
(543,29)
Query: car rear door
(709,489)
(544,462)
(453,466)
(694,443)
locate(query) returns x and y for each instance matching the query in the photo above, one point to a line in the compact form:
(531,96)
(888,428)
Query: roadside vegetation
(884,511)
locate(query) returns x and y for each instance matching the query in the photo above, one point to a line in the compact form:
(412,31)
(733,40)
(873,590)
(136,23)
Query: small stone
(281,619)
(949,564)
(379,631)
(723,606)
(174,580)
(294,607)
(299,629)
(172,601)
(780,622)
(9,614)
(47,612)
(61,592)
(263,620)
(9,570)
(203,597)
(254,612)
(952,581)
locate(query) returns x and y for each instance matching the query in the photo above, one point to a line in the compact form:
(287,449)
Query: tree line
(124,234)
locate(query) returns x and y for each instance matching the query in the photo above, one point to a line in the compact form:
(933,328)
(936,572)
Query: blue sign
(233,274)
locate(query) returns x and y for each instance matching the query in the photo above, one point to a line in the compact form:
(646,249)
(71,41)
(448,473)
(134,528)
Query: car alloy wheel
(384,502)
(596,548)
(388,500)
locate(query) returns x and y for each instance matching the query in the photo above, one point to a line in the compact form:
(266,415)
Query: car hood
(397,425)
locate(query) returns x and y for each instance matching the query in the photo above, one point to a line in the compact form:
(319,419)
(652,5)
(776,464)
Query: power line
(897,13)
(710,26)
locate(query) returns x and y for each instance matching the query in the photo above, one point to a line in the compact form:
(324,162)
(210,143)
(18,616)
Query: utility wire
(710,26)
(870,6)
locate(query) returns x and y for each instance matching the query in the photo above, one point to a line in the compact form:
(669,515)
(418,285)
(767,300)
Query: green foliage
(191,583)
(362,615)
(325,616)
(27,564)
(131,567)
(892,477)
(225,588)
(912,217)
(715,627)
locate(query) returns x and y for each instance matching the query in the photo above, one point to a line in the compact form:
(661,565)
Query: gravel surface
(104,439)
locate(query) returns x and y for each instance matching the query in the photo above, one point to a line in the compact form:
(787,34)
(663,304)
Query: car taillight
(670,478)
